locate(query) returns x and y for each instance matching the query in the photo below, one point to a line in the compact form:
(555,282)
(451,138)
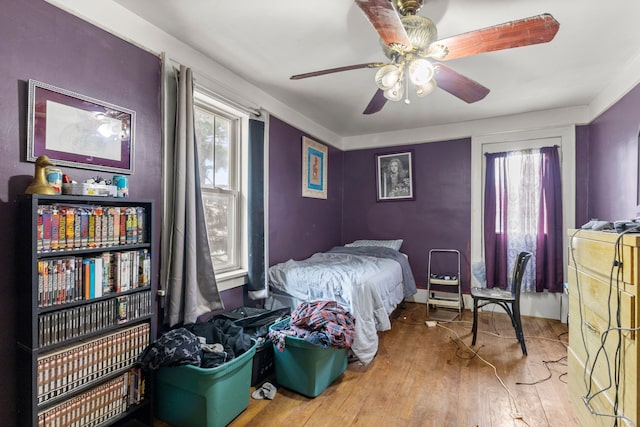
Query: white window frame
(236,276)
(510,141)
(543,305)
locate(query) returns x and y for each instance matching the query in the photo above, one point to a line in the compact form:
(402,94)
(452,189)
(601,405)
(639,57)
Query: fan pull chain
(406,89)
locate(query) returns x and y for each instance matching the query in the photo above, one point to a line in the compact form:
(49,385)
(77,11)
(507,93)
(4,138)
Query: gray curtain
(190,282)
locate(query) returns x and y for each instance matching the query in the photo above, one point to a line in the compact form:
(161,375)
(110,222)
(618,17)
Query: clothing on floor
(175,347)
(207,345)
(221,331)
(322,323)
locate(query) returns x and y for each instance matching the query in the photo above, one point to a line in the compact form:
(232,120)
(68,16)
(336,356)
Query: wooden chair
(508,300)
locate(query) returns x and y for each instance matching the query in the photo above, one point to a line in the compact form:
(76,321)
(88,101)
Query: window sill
(231,279)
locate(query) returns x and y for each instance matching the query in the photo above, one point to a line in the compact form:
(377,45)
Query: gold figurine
(40,185)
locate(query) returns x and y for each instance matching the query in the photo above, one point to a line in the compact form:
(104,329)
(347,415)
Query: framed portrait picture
(314,169)
(78,131)
(394,176)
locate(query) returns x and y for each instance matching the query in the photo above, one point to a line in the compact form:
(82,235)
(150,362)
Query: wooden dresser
(603,278)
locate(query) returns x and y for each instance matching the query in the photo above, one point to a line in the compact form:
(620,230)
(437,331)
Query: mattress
(368,283)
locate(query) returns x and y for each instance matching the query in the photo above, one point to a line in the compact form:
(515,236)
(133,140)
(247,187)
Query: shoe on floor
(266,391)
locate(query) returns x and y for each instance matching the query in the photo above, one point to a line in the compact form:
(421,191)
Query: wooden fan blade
(387,23)
(376,103)
(523,32)
(458,85)
(337,70)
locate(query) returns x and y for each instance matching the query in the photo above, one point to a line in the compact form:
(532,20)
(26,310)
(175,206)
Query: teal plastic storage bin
(190,396)
(306,368)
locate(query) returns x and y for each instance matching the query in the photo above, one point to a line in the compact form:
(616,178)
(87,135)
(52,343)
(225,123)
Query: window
(521,179)
(221,136)
(516,191)
(519,141)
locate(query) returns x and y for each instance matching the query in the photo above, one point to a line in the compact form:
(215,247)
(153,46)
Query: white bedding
(369,287)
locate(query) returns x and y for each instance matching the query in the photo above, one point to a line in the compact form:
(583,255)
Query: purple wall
(299,226)
(41,42)
(438,218)
(613,160)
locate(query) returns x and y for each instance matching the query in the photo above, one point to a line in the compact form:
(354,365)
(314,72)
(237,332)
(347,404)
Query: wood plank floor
(427,376)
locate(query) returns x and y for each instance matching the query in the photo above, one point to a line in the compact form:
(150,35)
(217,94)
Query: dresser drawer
(586,330)
(594,294)
(594,252)
(603,278)
(587,403)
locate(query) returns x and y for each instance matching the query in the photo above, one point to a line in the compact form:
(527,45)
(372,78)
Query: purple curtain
(549,262)
(495,237)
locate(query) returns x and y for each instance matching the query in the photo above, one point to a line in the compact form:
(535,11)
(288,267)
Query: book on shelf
(69,236)
(114,226)
(73,322)
(80,339)
(65,370)
(92,407)
(54,217)
(73,278)
(99,276)
(107,281)
(64,227)
(97,214)
(122,309)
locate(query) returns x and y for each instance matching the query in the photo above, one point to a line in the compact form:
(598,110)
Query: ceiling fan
(410,42)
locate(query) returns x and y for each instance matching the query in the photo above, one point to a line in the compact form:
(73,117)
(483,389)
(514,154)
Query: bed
(368,281)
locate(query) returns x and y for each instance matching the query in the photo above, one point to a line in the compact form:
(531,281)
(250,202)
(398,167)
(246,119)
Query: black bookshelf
(76,351)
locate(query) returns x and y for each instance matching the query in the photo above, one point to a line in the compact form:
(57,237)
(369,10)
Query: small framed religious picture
(394,176)
(314,169)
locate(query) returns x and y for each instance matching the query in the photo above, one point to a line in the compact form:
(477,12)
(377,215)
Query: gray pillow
(391,244)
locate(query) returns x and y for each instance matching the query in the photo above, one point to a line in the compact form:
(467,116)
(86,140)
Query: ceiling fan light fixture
(407,37)
(421,31)
(388,76)
(426,89)
(395,93)
(420,72)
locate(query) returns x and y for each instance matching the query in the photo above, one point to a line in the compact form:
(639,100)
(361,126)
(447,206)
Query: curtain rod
(256,112)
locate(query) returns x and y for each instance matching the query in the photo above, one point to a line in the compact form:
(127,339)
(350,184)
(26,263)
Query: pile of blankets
(322,323)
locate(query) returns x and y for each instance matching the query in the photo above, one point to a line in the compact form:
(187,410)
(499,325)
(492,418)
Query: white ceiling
(265,42)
